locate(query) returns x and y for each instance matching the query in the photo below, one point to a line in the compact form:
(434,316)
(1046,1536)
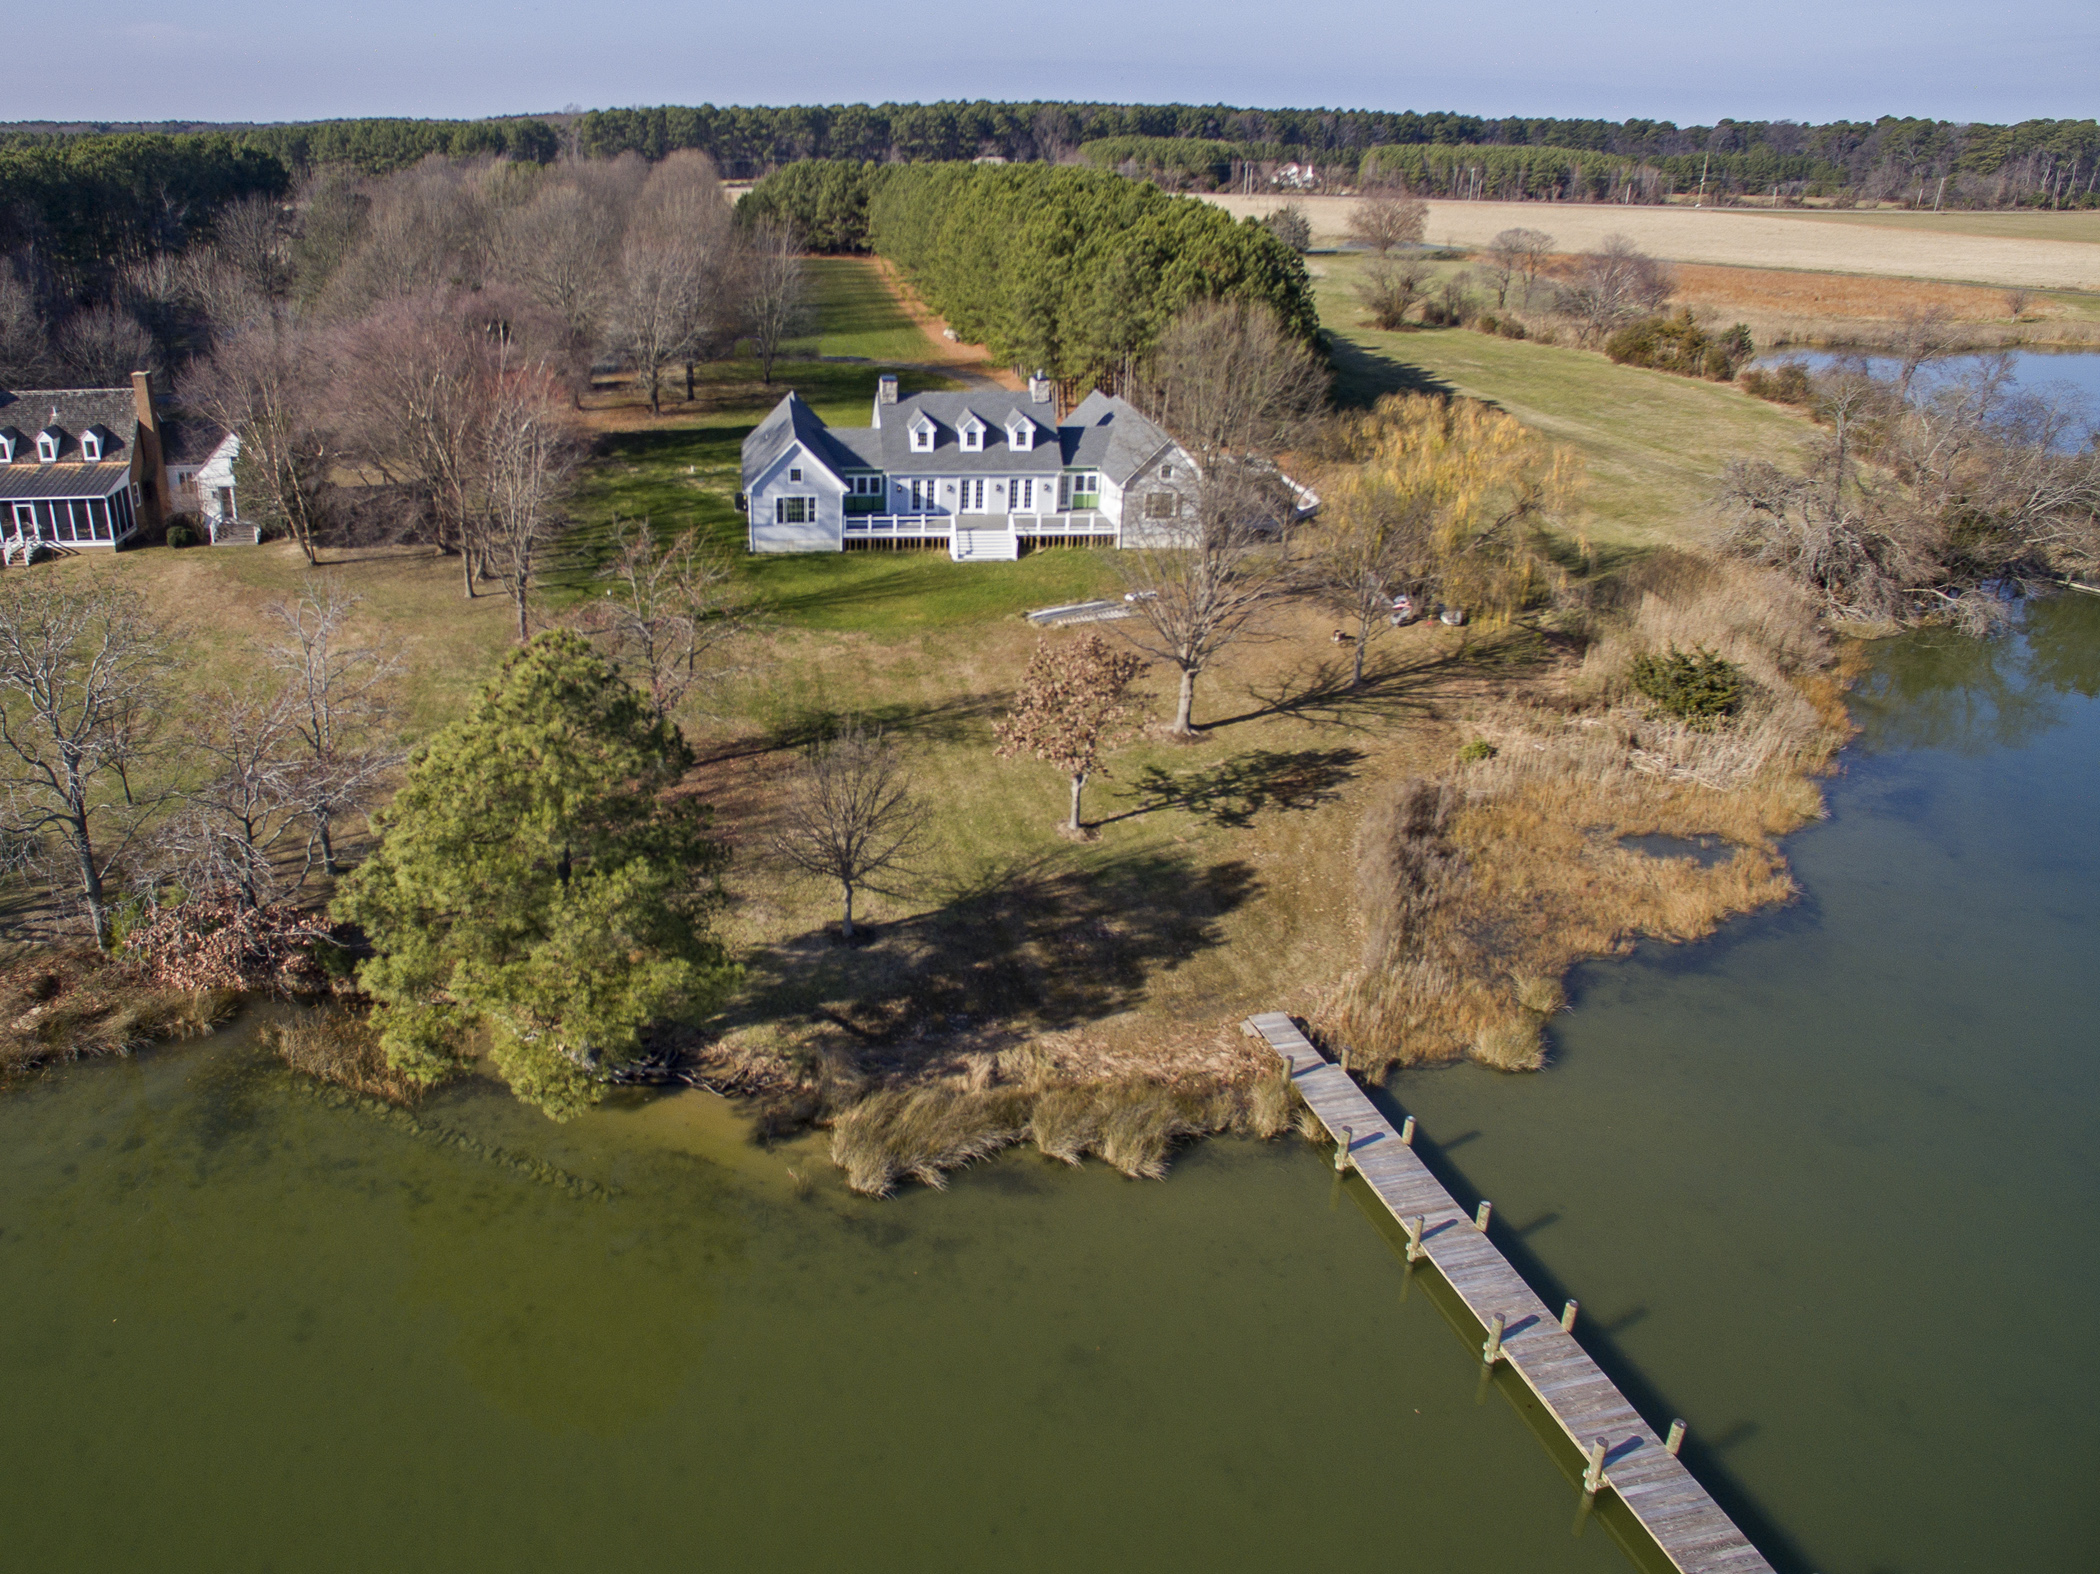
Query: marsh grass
(1482,889)
(62,1005)
(338,1046)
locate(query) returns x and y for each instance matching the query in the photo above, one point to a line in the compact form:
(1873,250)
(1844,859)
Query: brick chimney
(148,469)
(1039,387)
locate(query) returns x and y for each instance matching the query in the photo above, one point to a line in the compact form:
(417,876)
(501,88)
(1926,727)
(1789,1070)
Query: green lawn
(1654,444)
(857,315)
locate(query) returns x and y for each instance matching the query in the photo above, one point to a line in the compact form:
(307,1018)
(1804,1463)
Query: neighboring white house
(983,473)
(83,469)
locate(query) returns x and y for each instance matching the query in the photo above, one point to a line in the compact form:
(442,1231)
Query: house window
(865,485)
(973,496)
(921,495)
(1161,505)
(1021,435)
(922,438)
(25,519)
(973,438)
(794,510)
(1166,472)
(91,447)
(795,474)
(46,447)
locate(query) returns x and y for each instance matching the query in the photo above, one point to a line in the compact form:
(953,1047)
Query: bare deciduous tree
(101,346)
(1070,709)
(530,453)
(1921,333)
(1518,253)
(851,815)
(774,292)
(268,383)
(2016,303)
(1377,537)
(86,677)
(1614,285)
(1226,378)
(677,276)
(1387,220)
(231,828)
(339,705)
(1197,596)
(669,612)
(1389,289)
(25,341)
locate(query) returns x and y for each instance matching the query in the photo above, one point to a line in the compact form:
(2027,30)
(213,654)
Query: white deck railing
(1070,524)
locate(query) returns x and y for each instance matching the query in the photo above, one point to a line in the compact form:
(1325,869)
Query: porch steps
(978,545)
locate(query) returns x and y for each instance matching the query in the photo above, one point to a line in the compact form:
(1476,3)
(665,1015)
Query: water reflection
(1971,696)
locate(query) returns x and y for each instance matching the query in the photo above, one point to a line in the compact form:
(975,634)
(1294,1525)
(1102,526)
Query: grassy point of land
(1654,444)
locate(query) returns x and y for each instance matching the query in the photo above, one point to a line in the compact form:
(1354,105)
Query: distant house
(986,474)
(84,469)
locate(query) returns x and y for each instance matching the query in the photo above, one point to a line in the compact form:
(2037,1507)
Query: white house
(83,469)
(984,473)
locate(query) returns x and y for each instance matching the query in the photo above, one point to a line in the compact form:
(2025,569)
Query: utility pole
(1939,194)
(1706,159)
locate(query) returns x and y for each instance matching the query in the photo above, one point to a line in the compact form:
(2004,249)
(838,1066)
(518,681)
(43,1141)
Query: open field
(1782,308)
(1653,444)
(1746,239)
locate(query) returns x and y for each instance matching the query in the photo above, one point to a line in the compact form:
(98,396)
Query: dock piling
(1648,1480)
(1593,1474)
(1407,1132)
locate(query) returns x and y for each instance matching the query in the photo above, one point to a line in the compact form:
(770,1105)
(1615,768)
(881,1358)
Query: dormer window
(1020,432)
(9,438)
(47,442)
(91,445)
(971,431)
(921,434)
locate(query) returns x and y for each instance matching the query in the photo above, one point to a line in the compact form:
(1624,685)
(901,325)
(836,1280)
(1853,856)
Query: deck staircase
(984,544)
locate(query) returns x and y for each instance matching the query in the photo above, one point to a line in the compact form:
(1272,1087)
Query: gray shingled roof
(73,411)
(1101,432)
(20,482)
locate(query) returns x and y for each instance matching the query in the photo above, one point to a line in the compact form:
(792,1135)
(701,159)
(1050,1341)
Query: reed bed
(58,1006)
(923,1133)
(337,1046)
(1479,890)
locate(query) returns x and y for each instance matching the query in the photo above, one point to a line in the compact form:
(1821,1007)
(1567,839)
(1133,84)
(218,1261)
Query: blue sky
(1688,62)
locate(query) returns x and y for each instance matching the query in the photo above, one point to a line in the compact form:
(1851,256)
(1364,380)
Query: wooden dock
(1622,1451)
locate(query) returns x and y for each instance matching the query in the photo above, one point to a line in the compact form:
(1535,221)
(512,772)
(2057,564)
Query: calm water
(1825,1187)
(2072,375)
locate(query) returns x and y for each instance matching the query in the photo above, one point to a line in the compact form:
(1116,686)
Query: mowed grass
(1654,445)
(856,314)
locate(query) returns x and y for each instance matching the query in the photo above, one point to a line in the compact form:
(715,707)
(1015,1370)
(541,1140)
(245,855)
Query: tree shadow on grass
(954,721)
(1318,690)
(1015,947)
(1363,376)
(1232,792)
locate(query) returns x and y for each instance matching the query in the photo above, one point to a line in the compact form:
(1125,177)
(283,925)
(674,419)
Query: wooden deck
(1686,1524)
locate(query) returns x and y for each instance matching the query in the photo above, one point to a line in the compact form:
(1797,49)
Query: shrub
(1695,686)
(1488,322)
(1678,344)
(1510,328)
(1786,383)
(1290,226)
(1478,749)
(181,534)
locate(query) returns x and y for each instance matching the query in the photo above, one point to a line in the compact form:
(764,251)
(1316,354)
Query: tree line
(1893,158)
(1073,271)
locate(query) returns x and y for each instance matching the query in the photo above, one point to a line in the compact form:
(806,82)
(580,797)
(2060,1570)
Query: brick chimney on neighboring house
(149,469)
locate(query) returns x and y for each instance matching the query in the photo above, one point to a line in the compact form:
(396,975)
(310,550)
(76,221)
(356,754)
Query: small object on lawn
(1452,617)
(1141,595)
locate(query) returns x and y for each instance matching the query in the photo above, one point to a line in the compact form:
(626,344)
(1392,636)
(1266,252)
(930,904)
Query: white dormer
(971,431)
(91,442)
(10,439)
(1020,432)
(922,431)
(48,442)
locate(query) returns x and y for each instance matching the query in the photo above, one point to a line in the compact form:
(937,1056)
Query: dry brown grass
(338,1046)
(58,1005)
(1783,308)
(1747,238)
(1482,890)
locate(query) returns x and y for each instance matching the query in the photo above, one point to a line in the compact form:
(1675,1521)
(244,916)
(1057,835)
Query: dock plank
(1678,1514)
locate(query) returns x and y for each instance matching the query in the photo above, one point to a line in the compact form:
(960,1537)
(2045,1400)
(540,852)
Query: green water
(1825,1187)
